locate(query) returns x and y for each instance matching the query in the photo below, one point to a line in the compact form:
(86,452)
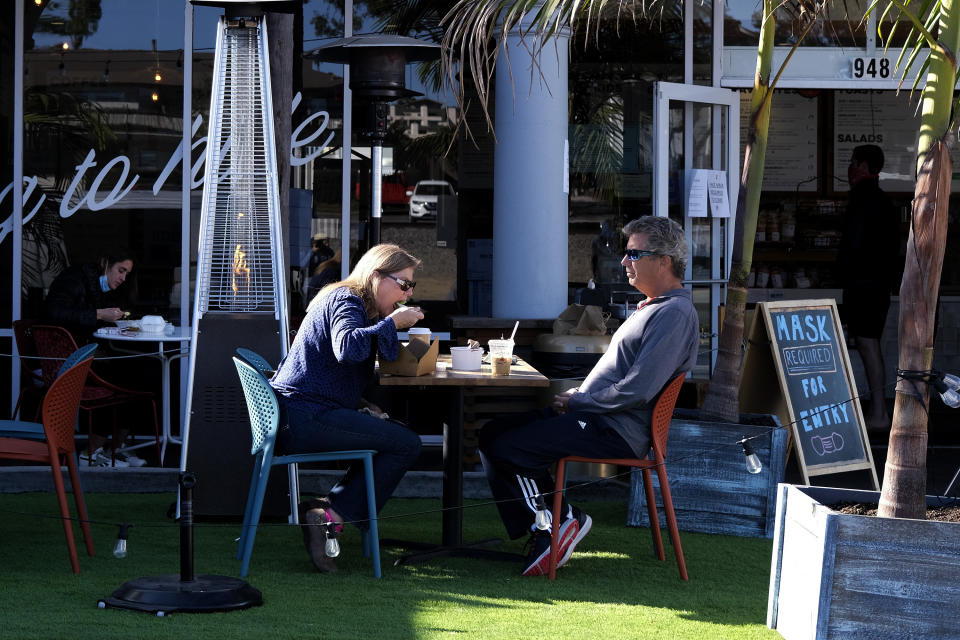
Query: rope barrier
(910,375)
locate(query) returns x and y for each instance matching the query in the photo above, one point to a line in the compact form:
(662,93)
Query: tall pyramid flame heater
(240,297)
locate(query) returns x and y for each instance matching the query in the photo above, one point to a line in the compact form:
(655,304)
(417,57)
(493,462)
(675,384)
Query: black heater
(377,68)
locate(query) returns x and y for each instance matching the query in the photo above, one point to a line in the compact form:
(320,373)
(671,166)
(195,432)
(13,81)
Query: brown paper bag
(581,320)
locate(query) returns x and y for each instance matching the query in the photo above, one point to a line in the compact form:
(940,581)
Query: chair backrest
(54,345)
(82,353)
(662,413)
(256,360)
(261,405)
(61,404)
(23,334)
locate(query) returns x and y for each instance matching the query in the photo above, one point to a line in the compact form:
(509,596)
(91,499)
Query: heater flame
(241,272)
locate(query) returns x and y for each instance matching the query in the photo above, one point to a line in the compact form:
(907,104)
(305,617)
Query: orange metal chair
(59,412)
(54,344)
(662,413)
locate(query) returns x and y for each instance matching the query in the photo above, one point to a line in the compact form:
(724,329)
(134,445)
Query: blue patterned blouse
(331,361)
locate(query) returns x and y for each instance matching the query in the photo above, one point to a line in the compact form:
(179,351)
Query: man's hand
(561,400)
(406,317)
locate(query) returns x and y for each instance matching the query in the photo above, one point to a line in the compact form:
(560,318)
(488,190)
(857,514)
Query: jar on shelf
(763,277)
(752,278)
(788,226)
(773,227)
(800,279)
(762,227)
(776,278)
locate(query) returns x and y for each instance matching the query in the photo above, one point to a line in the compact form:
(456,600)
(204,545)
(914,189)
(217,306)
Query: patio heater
(240,297)
(377,68)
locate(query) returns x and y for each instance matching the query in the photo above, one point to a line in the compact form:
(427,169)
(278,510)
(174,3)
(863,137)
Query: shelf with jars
(796,245)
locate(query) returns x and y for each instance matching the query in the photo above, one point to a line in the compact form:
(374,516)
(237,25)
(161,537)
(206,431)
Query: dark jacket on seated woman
(74,298)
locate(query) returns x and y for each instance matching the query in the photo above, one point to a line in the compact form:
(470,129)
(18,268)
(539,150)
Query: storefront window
(842,24)
(419,189)
(611,119)
(102,122)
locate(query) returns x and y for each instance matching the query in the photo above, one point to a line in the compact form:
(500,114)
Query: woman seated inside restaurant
(322,379)
(82,299)
(86,297)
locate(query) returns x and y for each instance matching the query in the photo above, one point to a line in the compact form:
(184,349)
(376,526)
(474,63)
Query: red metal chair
(659,428)
(59,412)
(55,344)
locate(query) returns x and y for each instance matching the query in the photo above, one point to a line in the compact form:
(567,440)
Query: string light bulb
(154,96)
(753,462)
(120,548)
(949,395)
(65,46)
(542,519)
(38,2)
(157,77)
(332,547)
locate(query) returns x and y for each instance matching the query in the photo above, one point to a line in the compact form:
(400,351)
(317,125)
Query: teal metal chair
(257,361)
(264,421)
(34,430)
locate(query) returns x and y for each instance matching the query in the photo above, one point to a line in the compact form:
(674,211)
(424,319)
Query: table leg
(452,500)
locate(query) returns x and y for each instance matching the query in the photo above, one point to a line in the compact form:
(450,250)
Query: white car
(423,198)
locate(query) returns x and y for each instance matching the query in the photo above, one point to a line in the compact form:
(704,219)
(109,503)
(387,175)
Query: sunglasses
(636,254)
(405,285)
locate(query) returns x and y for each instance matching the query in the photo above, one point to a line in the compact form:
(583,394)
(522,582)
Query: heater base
(169,594)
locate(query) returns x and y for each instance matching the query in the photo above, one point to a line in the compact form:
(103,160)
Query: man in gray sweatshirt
(609,415)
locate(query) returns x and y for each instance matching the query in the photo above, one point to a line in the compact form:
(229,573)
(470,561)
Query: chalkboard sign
(799,347)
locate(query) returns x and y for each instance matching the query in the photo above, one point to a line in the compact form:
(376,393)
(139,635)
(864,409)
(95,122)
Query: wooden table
(457,381)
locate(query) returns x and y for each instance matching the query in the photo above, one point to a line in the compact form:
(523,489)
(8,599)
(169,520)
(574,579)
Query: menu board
(791,160)
(807,359)
(882,118)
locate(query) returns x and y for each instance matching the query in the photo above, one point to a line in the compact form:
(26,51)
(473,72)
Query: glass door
(696,144)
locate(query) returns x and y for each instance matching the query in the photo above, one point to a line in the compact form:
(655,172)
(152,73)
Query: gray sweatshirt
(655,344)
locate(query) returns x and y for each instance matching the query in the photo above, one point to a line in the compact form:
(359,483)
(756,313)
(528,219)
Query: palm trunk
(904,479)
(722,398)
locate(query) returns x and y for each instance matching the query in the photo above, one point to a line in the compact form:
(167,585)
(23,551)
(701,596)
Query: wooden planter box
(712,491)
(847,576)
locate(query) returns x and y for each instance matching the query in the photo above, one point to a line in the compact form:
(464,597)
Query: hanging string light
(120,548)
(753,462)
(106,71)
(332,547)
(542,519)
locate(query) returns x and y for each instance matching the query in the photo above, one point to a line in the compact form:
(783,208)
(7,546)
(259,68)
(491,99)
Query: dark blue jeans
(308,431)
(517,452)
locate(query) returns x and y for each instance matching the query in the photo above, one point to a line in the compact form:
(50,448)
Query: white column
(531,180)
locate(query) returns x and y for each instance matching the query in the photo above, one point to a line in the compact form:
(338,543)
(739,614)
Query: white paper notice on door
(703,186)
(717,192)
(697,193)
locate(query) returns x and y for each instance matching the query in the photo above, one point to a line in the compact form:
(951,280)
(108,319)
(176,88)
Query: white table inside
(178,335)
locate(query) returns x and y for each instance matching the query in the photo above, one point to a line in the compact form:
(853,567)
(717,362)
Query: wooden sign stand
(797,366)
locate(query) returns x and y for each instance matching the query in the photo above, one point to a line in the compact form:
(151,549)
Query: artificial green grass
(613,586)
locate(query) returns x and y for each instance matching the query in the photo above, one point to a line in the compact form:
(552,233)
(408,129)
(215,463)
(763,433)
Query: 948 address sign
(871,68)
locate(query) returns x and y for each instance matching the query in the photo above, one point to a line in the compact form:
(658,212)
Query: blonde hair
(365,277)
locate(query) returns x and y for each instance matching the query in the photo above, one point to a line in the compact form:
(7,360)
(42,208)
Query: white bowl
(466,359)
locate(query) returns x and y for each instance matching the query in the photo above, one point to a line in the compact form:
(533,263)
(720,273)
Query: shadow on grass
(612,580)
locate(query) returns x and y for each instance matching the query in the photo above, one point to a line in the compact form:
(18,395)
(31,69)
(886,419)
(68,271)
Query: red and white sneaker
(538,558)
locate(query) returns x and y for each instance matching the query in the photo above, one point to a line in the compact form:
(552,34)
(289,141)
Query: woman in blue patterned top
(321,381)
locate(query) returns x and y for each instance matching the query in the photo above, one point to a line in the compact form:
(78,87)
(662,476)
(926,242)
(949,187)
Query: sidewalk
(416,484)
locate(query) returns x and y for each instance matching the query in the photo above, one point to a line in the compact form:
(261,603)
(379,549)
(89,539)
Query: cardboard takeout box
(416,359)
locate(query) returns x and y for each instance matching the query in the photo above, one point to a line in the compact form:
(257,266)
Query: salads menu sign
(807,358)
